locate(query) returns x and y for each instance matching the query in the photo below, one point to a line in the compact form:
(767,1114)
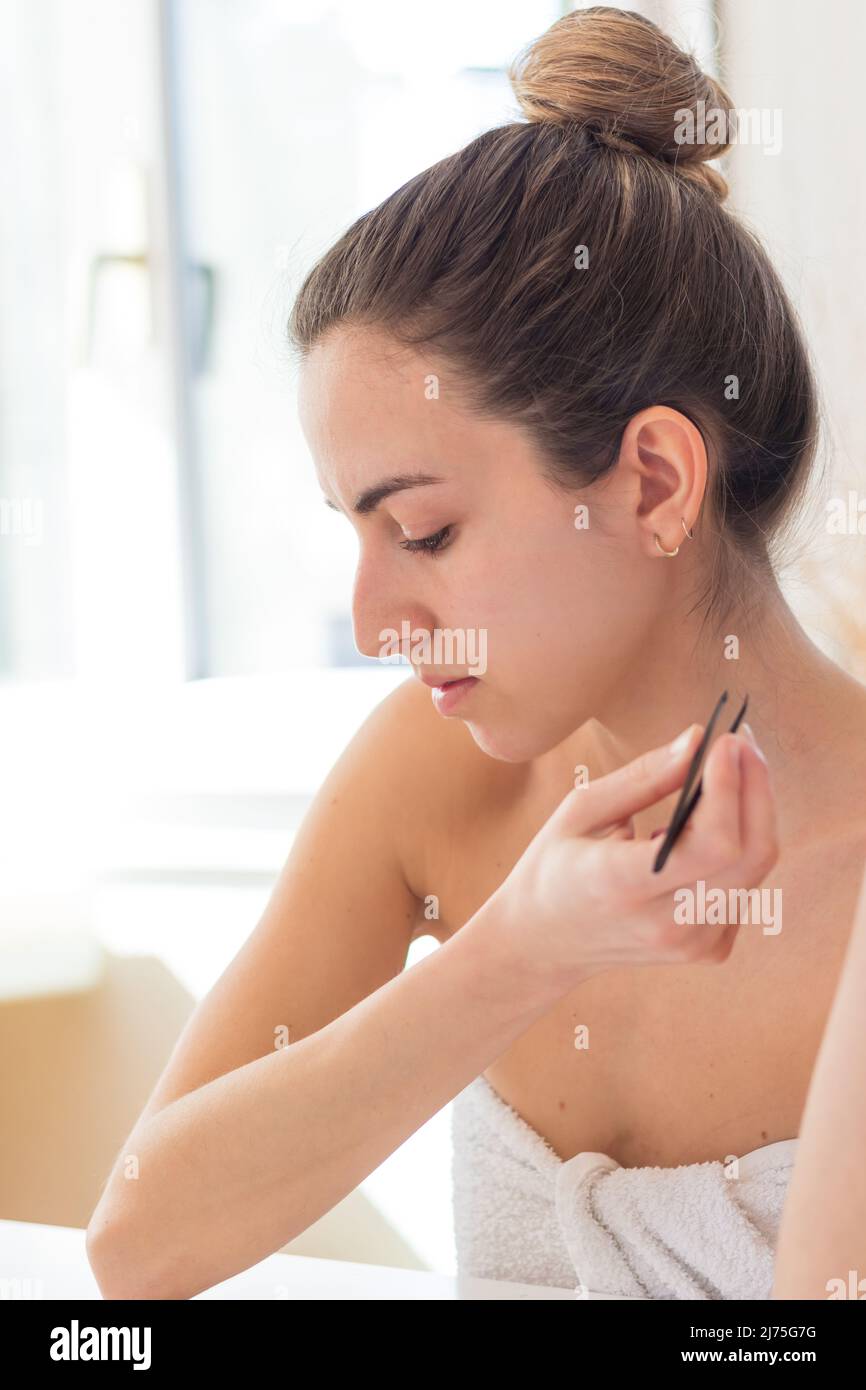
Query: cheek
(529,609)
(547,582)
(562,610)
(553,599)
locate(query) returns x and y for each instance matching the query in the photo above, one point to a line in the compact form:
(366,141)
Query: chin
(507,745)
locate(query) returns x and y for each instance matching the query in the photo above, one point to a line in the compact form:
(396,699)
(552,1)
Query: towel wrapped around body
(521,1213)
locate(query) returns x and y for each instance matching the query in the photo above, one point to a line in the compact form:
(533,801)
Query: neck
(800,702)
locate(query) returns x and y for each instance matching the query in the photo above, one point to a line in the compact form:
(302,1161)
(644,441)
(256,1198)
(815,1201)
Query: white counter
(50,1262)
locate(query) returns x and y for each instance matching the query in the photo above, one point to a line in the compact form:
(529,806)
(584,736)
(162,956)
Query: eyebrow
(369,499)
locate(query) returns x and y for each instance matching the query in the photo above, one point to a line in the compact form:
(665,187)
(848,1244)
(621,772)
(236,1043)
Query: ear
(664,455)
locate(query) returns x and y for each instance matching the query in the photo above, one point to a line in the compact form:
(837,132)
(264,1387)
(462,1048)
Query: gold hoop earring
(686,529)
(669,553)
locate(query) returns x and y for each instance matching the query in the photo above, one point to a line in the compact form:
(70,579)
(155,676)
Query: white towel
(699,1231)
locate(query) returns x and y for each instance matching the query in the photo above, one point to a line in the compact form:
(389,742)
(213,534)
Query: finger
(620,830)
(734,837)
(716,829)
(630,788)
(757,837)
(759,826)
(710,841)
(719,830)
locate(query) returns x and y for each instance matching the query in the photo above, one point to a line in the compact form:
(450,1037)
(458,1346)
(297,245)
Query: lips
(447,695)
(440,682)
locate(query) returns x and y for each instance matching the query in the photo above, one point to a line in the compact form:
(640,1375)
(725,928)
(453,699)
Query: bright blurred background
(176,655)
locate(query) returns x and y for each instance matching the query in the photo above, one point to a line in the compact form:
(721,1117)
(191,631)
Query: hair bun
(620,76)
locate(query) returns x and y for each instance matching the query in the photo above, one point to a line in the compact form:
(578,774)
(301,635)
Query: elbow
(108,1255)
(125,1267)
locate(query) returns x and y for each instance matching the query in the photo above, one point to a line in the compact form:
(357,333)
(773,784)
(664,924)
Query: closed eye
(431,544)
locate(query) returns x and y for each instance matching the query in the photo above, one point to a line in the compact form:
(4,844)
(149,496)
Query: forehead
(368,404)
(371,407)
(356,369)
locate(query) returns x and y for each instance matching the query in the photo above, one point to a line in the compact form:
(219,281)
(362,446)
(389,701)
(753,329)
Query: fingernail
(679,743)
(750,735)
(658,832)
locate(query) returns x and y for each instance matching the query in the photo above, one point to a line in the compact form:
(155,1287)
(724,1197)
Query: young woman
(558,390)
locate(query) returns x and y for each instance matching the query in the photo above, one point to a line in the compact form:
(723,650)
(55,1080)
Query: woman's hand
(583,897)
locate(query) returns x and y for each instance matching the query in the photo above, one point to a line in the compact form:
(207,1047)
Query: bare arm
(822,1237)
(234,1170)
(245,1144)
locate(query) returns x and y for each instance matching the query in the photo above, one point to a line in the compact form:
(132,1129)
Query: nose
(381,606)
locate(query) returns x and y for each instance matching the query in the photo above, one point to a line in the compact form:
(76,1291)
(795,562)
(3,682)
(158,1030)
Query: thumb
(645,780)
(619,830)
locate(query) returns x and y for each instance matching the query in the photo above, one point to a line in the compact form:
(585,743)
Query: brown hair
(473,259)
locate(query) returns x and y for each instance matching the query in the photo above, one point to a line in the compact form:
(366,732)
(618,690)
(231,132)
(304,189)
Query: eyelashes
(431,545)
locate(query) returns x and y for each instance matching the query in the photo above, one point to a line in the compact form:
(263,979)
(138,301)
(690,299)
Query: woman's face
(560,613)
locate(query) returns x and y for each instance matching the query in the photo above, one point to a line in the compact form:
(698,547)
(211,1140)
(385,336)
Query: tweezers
(687,802)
